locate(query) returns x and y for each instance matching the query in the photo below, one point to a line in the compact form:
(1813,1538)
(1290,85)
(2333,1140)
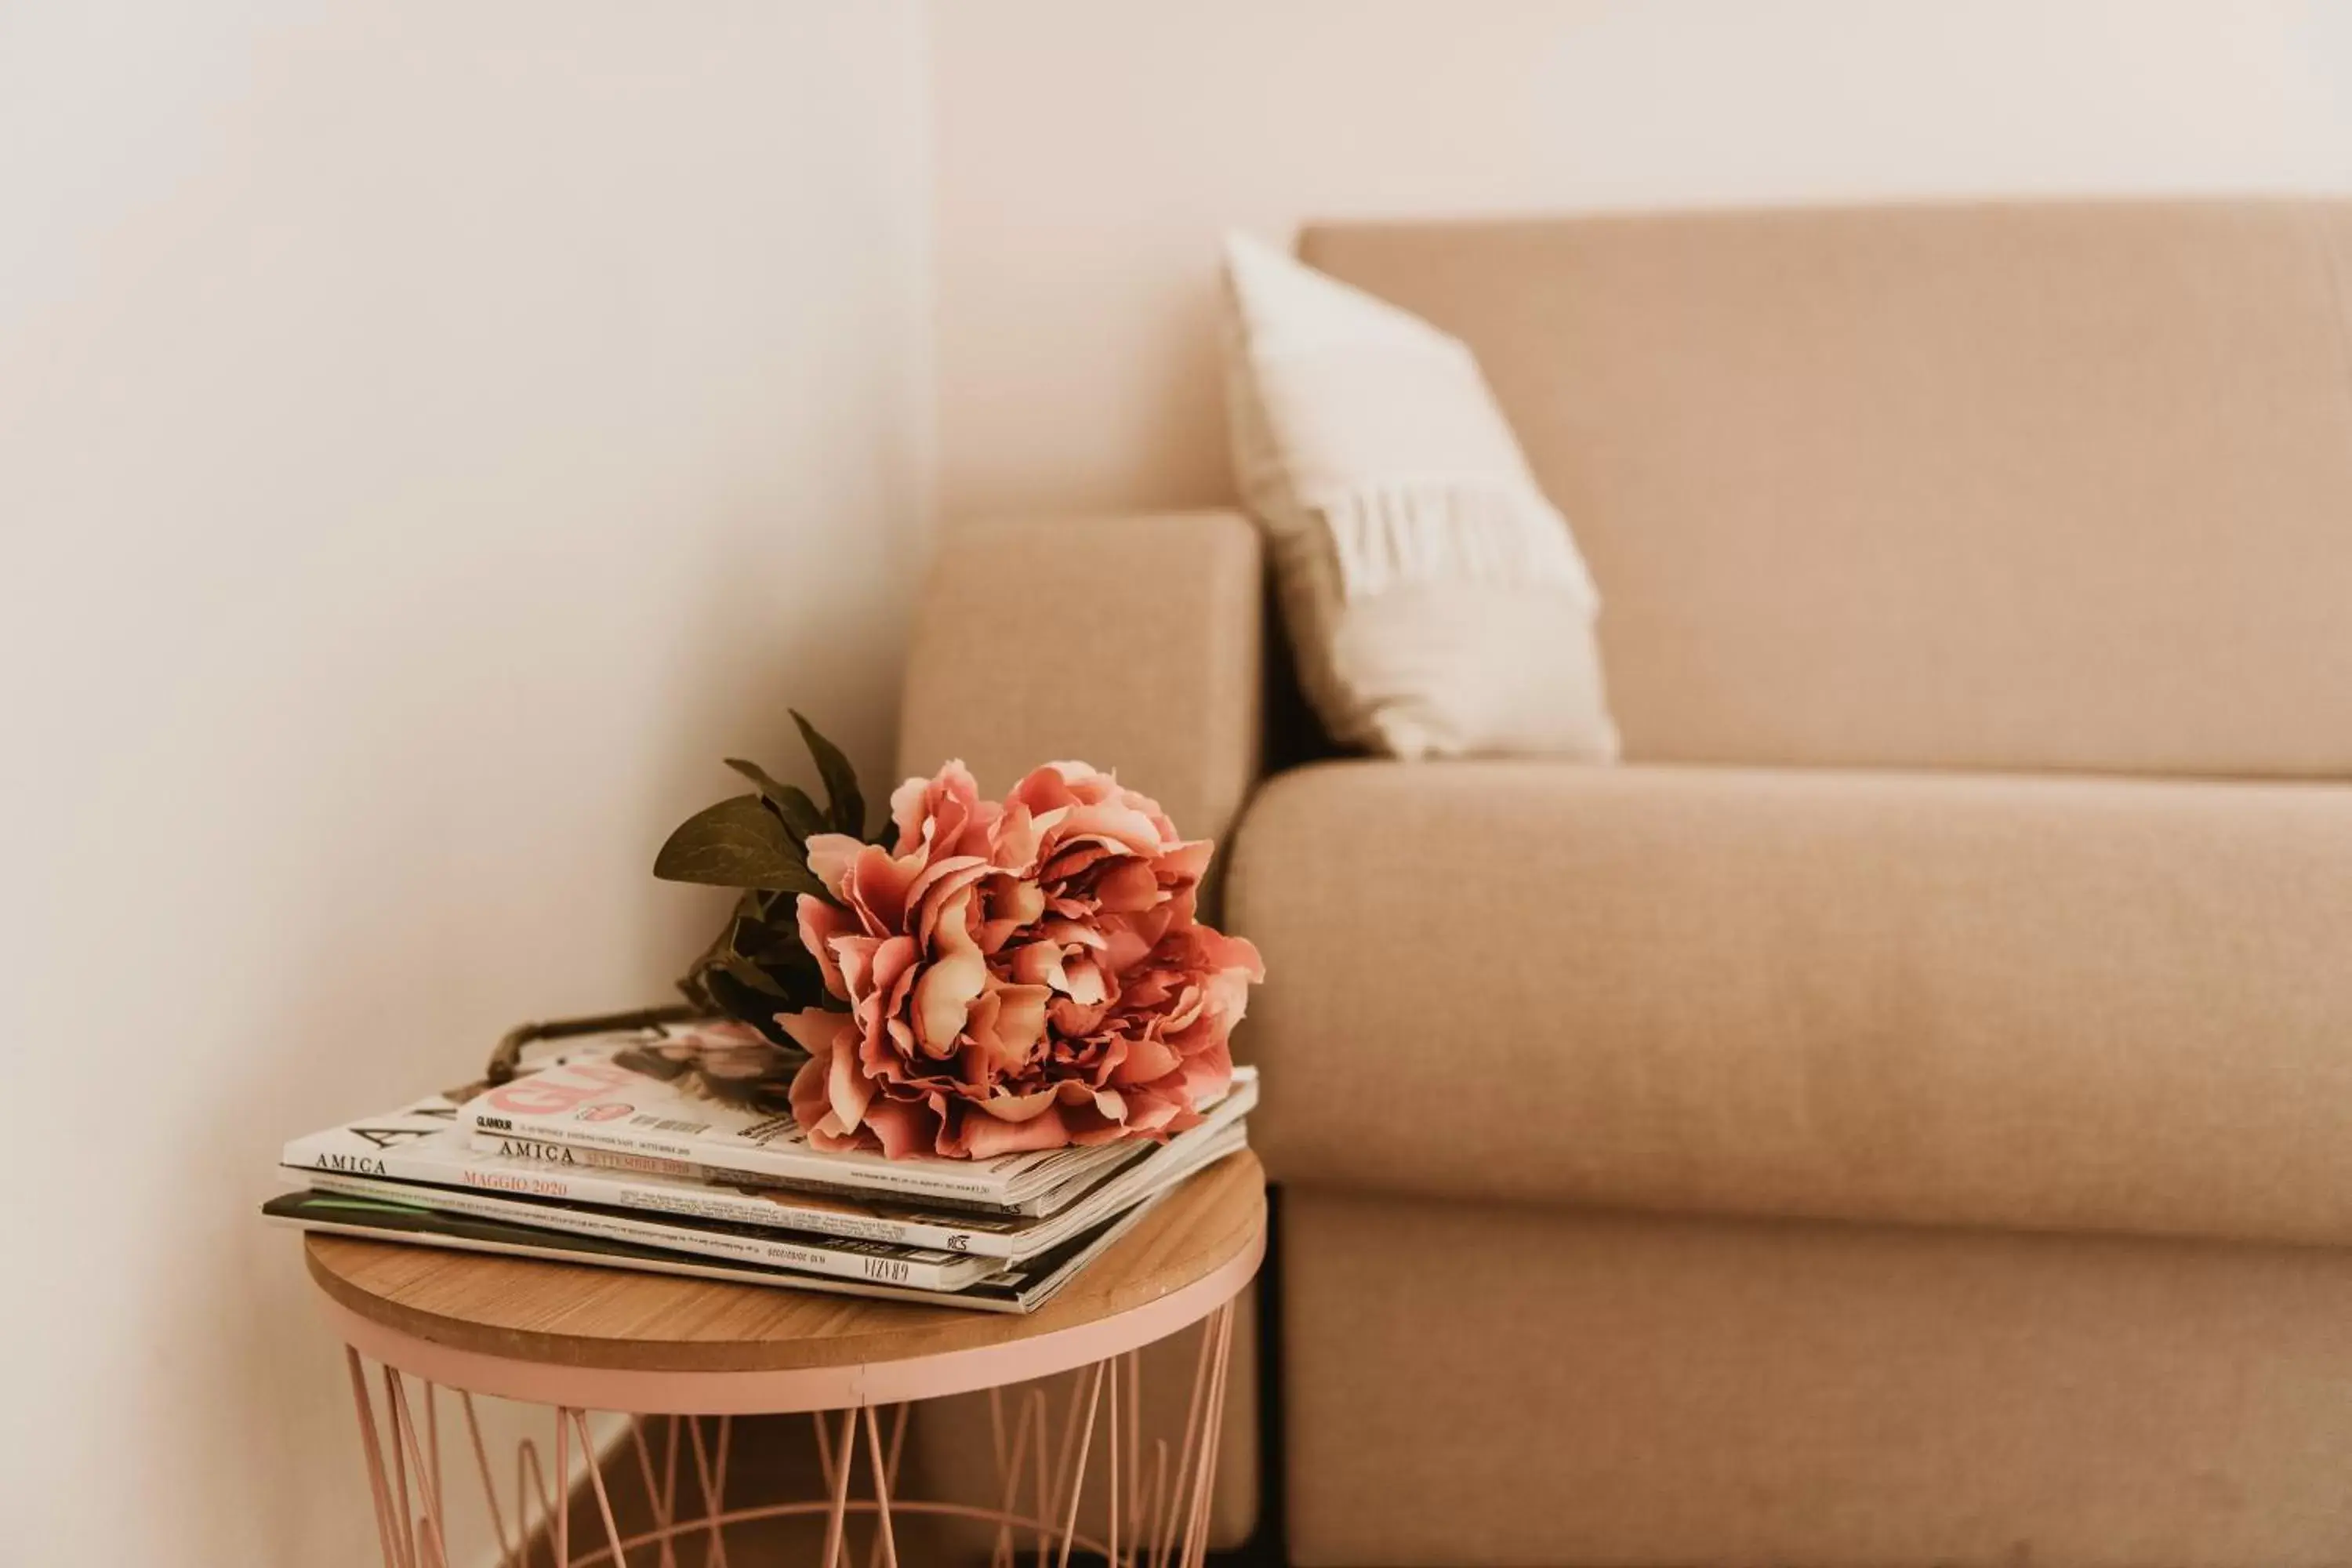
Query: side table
(586,1341)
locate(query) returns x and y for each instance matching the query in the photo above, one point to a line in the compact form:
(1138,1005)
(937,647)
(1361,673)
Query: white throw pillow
(1435,602)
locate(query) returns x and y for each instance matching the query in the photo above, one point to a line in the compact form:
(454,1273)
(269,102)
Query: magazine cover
(1020,1289)
(665,1094)
(423,1144)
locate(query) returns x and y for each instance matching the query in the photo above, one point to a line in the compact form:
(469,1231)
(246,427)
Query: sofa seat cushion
(1946,999)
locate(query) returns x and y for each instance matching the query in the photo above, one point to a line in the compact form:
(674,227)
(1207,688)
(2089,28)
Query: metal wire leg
(714,1486)
(562,1500)
(374,1447)
(657,1503)
(1167,1529)
(838,1514)
(1079,1476)
(430,1539)
(596,1484)
(1213,1427)
(881,1490)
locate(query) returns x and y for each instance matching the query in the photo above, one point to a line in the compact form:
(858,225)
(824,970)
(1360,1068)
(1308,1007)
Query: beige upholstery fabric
(1475,1386)
(2057,486)
(1146,659)
(1971,1000)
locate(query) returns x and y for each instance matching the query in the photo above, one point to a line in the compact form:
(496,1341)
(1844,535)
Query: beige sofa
(1903,1114)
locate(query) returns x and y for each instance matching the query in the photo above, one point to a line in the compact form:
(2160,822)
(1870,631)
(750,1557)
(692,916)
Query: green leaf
(727,994)
(846,806)
(778,909)
(722,946)
(772,942)
(757,979)
(737,843)
(693,986)
(792,802)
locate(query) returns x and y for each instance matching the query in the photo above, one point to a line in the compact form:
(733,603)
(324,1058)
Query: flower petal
(1018,1107)
(905,1130)
(986,1137)
(830,855)
(815,1029)
(847,1090)
(820,921)
(944,993)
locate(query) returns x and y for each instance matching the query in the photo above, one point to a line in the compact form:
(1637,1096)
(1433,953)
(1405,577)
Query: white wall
(1090,154)
(431,435)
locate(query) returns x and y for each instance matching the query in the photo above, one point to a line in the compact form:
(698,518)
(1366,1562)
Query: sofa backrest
(2051,486)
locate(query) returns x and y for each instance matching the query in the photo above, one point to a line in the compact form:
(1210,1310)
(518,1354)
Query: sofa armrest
(1146,656)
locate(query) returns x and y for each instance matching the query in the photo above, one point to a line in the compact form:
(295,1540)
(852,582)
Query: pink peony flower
(1020,974)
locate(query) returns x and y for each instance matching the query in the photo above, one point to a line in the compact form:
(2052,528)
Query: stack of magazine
(632,1151)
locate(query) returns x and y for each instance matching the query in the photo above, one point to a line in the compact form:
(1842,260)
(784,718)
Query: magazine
(922,1268)
(639,1099)
(1023,1288)
(423,1144)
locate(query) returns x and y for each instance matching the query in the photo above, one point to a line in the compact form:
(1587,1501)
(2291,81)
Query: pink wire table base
(1157,1494)
(427,1334)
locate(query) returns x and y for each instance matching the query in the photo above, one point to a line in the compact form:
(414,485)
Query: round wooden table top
(567,1315)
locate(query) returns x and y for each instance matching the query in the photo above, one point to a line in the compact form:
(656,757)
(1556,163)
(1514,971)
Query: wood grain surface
(567,1315)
